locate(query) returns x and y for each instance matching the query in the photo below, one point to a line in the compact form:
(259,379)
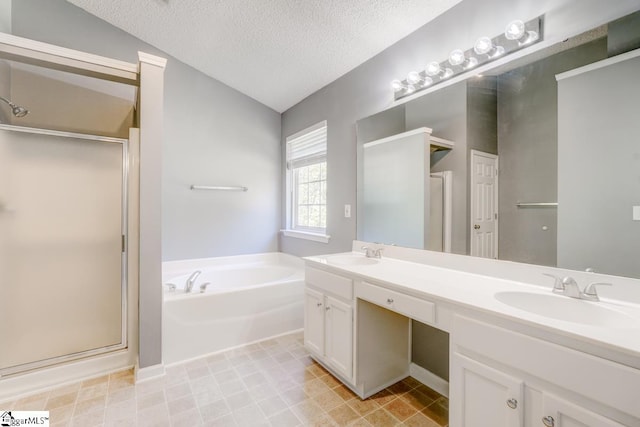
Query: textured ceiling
(275,51)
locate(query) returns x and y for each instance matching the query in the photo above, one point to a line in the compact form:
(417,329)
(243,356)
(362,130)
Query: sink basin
(351,260)
(566,309)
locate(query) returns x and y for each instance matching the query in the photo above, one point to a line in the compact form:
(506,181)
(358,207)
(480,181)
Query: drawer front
(329,282)
(415,308)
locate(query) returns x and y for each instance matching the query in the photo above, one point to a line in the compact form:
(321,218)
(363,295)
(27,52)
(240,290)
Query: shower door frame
(124,286)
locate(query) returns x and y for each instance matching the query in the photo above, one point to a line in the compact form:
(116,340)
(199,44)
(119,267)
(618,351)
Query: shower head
(17,110)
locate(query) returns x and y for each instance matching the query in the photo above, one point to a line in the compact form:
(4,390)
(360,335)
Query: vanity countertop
(476,292)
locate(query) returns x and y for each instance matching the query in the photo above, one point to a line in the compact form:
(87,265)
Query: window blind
(308,146)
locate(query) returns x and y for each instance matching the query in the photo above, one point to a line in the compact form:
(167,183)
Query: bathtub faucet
(191,280)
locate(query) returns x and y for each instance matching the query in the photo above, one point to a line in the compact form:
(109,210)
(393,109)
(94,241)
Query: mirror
(559,160)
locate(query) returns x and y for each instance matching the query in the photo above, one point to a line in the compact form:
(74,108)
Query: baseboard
(149,372)
(429,379)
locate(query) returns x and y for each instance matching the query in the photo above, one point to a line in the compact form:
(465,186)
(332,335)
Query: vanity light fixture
(517,35)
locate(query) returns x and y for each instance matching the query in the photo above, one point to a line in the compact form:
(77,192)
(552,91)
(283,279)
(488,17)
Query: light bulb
(427,81)
(515,30)
(456,57)
(448,72)
(410,89)
(413,77)
(397,85)
(433,69)
(484,46)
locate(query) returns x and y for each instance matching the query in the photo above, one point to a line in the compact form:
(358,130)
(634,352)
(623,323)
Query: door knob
(476,227)
(512,403)
(548,421)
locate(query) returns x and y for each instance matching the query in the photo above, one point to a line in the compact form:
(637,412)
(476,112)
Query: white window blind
(308,146)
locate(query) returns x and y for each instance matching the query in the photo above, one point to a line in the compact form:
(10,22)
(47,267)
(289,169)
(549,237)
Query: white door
(482,396)
(339,323)
(314,321)
(484,204)
(560,413)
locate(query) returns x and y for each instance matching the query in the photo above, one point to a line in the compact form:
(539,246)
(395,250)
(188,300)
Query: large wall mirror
(544,167)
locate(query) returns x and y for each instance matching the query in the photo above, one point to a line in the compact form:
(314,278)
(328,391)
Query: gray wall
(365,90)
(527,146)
(212,135)
(599,170)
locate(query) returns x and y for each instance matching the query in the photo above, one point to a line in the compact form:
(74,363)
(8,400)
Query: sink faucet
(372,252)
(191,280)
(569,287)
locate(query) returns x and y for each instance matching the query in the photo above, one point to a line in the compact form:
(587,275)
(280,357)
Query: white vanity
(519,354)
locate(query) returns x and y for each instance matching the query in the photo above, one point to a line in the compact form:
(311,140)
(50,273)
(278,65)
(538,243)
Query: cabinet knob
(327,308)
(389,300)
(548,421)
(476,227)
(319,304)
(512,403)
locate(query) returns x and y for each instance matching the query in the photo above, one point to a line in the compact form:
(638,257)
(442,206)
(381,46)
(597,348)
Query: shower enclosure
(63,201)
(80,259)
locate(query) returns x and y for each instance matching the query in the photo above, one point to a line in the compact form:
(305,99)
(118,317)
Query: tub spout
(191,280)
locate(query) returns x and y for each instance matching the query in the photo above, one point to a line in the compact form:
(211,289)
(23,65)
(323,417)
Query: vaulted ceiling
(275,51)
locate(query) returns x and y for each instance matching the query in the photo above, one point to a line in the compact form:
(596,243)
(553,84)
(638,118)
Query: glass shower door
(62,263)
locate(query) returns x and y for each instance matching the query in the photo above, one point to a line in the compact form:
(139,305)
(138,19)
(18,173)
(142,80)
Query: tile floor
(272,383)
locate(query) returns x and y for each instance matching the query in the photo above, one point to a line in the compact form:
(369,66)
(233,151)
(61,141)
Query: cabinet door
(314,321)
(482,396)
(339,324)
(560,413)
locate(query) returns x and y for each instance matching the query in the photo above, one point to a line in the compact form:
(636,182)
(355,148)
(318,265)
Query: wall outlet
(347,211)
(636,213)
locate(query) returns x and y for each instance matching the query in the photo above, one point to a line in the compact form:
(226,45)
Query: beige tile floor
(272,383)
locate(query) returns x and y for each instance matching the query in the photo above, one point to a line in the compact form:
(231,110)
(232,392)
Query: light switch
(347,211)
(636,213)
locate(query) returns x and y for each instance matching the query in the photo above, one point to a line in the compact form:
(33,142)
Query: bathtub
(250,298)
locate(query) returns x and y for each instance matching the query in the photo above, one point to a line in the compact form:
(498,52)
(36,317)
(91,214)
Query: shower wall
(73,103)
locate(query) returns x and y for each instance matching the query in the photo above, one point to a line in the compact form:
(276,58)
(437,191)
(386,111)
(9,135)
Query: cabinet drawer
(415,308)
(337,285)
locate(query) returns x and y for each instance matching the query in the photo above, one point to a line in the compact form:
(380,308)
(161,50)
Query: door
(62,227)
(339,347)
(560,413)
(484,204)
(314,321)
(482,396)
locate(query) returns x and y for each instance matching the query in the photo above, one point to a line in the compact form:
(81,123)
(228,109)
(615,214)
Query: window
(307,183)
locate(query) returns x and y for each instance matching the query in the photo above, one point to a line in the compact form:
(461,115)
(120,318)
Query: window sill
(322,238)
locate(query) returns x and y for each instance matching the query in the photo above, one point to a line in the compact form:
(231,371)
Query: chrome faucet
(569,287)
(191,280)
(372,252)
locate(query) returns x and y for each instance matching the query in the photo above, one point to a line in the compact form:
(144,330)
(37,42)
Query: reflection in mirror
(561,127)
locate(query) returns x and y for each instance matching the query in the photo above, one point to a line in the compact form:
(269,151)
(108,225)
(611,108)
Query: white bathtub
(250,298)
